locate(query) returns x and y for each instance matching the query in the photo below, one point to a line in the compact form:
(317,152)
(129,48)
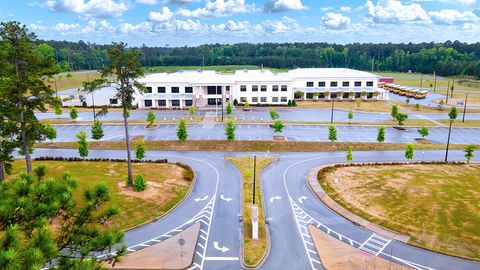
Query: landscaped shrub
(140,184)
(188,173)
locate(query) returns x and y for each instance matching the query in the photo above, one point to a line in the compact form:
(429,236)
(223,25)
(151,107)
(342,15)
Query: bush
(235,102)
(140,184)
(289,103)
(294,103)
(40,171)
(84,104)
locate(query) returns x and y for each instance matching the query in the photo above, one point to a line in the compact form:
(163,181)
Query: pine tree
(332,133)
(82,144)
(140,150)
(151,118)
(230,130)
(73,113)
(182,133)
(229,108)
(97,130)
(381,135)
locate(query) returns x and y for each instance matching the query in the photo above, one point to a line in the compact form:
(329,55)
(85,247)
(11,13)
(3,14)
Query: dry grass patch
(443,199)
(167,186)
(365,106)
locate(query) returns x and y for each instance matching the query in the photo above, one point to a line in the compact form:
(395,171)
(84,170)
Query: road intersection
(290,207)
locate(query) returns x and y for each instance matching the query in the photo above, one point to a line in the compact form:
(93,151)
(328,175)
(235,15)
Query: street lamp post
(254,206)
(254,172)
(333,104)
(465,107)
(448,140)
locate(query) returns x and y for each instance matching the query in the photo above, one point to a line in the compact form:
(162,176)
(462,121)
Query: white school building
(201,88)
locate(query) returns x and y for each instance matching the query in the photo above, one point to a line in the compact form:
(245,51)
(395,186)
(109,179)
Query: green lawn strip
(459,123)
(253,250)
(250,146)
(413,79)
(441,198)
(134,210)
(60,121)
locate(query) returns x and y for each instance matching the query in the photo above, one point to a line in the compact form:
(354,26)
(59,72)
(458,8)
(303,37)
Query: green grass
(228,69)
(413,79)
(134,210)
(441,198)
(72,79)
(254,250)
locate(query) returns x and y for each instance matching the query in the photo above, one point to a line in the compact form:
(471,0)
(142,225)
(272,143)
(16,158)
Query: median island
(437,205)
(168,184)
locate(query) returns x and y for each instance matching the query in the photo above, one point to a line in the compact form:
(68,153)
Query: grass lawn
(413,79)
(253,249)
(167,186)
(459,123)
(59,121)
(74,80)
(473,98)
(365,106)
(443,199)
(228,69)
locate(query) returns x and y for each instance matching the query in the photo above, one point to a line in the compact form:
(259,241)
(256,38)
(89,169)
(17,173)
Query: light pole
(452,115)
(254,172)
(448,86)
(333,104)
(465,107)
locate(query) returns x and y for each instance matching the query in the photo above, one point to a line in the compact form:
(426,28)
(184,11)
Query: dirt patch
(422,140)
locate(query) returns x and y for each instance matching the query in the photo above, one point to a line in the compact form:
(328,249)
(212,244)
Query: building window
(283,99)
(254,99)
(263,99)
(263,88)
(333,84)
(113,101)
(358,84)
(345,95)
(188,103)
(161,89)
(227,88)
(149,89)
(148,102)
(369,95)
(275,88)
(175,90)
(369,84)
(243,88)
(333,95)
(254,88)
(214,90)
(309,84)
(162,103)
(284,88)
(176,103)
(189,90)
(309,95)
(274,99)
(243,99)
(345,84)
(357,95)
(321,84)
(321,95)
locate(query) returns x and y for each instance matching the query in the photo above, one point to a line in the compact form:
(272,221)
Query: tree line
(446,59)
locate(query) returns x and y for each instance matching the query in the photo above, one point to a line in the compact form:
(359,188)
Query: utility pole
(331,116)
(448,140)
(254,206)
(465,107)
(254,176)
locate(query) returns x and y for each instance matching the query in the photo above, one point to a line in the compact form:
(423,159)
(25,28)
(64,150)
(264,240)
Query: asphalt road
(317,133)
(290,207)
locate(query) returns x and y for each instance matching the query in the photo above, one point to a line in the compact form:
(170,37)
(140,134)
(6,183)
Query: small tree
(140,150)
(235,102)
(394,111)
(417,107)
(294,103)
(151,118)
(423,131)
(140,184)
(409,151)
(299,94)
(182,133)
(97,130)
(407,101)
(381,135)
(349,154)
(401,117)
(274,115)
(228,110)
(73,113)
(40,171)
(350,116)
(82,144)
(191,110)
(278,126)
(50,132)
(58,110)
(289,103)
(452,114)
(359,103)
(469,149)
(246,104)
(332,133)
(230,130)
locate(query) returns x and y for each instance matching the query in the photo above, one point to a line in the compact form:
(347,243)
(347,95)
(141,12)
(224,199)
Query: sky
(195,22)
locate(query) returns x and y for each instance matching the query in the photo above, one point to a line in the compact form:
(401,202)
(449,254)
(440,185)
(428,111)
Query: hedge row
(100,159)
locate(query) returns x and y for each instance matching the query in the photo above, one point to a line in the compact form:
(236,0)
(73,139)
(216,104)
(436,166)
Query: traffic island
(177,252)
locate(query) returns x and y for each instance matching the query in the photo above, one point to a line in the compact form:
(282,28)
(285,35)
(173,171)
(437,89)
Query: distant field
(74,79)
(220,69)
(413,79)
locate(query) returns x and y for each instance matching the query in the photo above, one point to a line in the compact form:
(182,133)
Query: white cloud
(452,16)
(274,27)
(65,27)
(89,8)
(147,2)
(126,28)
(283,5)
(335,21)
(462,2)
(161,16)
(179,25)
(469,26)
(218,8)
(393,11)
(181,2)
(325,9)
(345,8)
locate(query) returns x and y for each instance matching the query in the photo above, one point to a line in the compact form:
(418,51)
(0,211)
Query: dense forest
(447,59)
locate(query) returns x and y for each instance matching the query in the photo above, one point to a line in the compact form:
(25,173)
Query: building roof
(330,73)
(261,75)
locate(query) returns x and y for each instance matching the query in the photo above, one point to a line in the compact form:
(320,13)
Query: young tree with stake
(278,126)
(332,133)
(409,151)
(97,130)
(230,130)
(82,144)
(350,116)
(229,108)
(140,150)
(182,133)
(469,149)
(400,118)
(73,114)
(423,131)
(151,118)
(381,135)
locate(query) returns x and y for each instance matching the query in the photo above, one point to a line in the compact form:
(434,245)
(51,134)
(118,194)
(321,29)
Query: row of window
(344,84)
(163,103)
(263,88)
(263,99)
(335,95)
(211,90)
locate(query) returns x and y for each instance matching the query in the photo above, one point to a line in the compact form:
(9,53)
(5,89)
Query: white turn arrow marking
(222,249)
(201,199)
(302,199)
(275,198)
(225,198)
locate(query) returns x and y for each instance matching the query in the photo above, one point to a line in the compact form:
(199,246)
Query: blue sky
(195,22)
